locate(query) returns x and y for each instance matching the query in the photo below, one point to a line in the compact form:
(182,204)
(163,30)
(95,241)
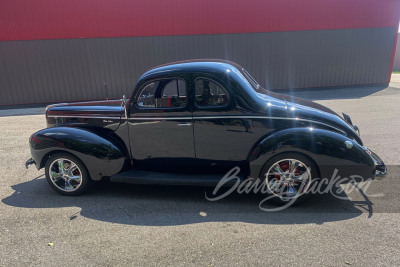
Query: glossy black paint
(100,114)
(102,155)
(254,126)
(325,148)
(161,139)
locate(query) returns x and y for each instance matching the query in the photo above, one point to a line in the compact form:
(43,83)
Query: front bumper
(380,167)
(380,170)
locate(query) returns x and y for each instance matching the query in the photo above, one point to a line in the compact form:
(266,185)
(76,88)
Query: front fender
(101,156)
(327,149)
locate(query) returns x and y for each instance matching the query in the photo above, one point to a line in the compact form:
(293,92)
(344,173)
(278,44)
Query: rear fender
(327,149)
(101,155)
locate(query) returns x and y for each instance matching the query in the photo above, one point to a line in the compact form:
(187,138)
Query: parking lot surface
(158,225)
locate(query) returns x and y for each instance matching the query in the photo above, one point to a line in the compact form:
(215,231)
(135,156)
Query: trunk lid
(105,113)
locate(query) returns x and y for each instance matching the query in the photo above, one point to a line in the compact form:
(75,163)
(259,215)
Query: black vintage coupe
(190,122)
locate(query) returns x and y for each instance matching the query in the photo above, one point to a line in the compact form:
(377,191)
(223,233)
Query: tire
(72,179)
(283,195)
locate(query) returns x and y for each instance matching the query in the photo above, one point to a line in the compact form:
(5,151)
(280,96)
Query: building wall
(396,63)
(52,51)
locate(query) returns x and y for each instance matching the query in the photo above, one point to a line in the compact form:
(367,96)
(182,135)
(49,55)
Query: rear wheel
(66,174)
(289,178)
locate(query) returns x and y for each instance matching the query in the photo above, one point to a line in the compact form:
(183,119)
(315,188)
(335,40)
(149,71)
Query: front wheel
(289,177)
(66,174)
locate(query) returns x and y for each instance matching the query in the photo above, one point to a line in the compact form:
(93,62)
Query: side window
(210,94)
(146,97)
(168,93)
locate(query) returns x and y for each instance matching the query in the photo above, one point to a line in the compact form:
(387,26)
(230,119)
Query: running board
(147,177)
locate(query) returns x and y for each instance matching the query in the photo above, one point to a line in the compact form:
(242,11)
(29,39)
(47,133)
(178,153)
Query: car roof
(211,61)
(193,65)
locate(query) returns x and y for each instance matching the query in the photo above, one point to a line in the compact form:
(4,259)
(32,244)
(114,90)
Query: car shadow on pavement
(179,205)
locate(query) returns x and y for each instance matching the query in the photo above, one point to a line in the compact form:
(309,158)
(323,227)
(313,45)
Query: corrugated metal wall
(38,71)
(396,63)
(66,50)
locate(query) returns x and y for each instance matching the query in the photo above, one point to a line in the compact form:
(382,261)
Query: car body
(190,122)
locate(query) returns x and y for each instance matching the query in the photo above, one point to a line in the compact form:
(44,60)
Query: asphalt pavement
(176,226)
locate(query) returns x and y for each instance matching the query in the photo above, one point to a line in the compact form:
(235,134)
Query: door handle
(185,124)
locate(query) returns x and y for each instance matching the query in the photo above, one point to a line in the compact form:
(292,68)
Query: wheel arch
(325,148)
(102,156)
(51,153)
(295,153)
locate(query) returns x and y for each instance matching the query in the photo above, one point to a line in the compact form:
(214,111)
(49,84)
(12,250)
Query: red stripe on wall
(60,19)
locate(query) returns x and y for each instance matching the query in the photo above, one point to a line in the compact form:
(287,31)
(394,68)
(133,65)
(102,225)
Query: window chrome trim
(211,107)
(137,96)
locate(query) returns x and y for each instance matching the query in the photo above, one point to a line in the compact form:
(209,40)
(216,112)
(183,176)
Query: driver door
(161,127)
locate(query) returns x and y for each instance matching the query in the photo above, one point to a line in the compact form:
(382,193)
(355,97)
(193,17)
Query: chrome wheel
(288,179)
(65,175)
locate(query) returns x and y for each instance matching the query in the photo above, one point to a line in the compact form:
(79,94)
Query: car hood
(300,108)
(303,102)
